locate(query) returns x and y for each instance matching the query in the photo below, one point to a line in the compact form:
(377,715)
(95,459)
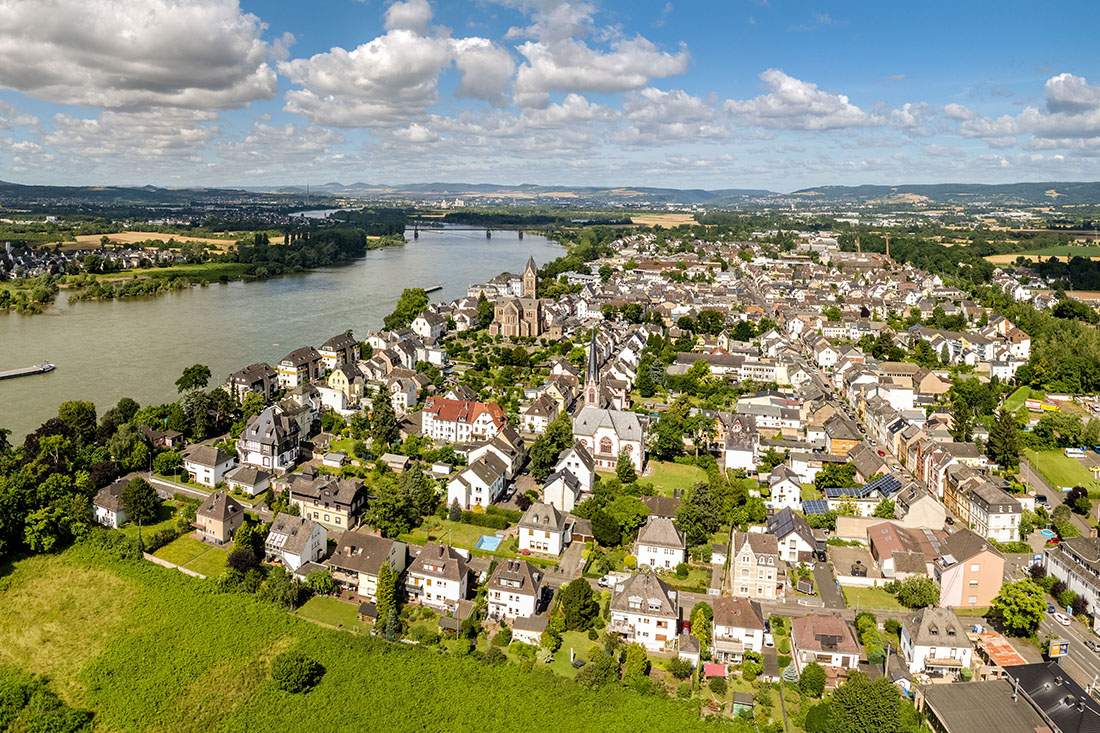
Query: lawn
(809,491)
(452,533)
(869,598)
(580,643)
(1016,400)
(166,519)
(667,476)
(696,582)
(209,271)
(149,649)
(1058,469)
(333,612)
(194,555)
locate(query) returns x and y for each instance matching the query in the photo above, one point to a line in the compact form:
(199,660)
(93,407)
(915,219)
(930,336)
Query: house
(334,502)
(294,541)
(349,381)
(562,490)
(461,421)
(259,378)
(1076,562)
(429,326)
(741,445)
(660,545)
(270,441)
(934,643)
(250,480)
(479,484)
(299,367)
(754,567)
(543,529)
(359,557)
(107,505)
(438,577)
(738,627)
(970,571)
(339,350)
(989,706)
(579,462)
(207,465)
(529,629)
(507,446)
(607,433)
(793,536)
(218,518)
(514,590)
(538,415)
(786,491)
(827,640)
(645,610)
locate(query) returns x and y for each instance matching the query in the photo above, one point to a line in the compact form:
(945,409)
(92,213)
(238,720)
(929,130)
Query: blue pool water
(487,542)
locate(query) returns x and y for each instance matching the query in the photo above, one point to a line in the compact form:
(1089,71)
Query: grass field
(333,612)
(667,476)
(1058,469)
(454,533)
(1015,401)
(149,649)
(204,271)
(194,555)
(1062,252)
(869,598)
(579,642)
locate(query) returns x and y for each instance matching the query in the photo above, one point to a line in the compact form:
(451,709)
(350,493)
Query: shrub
(783,660)
(683,692)
(593,634)
(494,655)
(891,626)
(965,674)
(503,637)
(294,672)
(630,562)
(812,680)
(679,668)
(817,718)
(492,521)
(523,651)
(783,645)
(682,570)
(718,685)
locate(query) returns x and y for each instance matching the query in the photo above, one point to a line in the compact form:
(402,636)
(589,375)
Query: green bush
(718,685)
(965,674)
(503,637)
(891,626)
(493,655)
(492,521)
(783,645)
(295,672)
(682,570)
(783,661)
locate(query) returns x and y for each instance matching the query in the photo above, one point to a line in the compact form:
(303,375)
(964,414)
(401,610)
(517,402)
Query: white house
(793,536)
(429,325)
(270,441)
(460,421)
(646,611)
(107,505)
(934,642)
(479,484)
(606,433)
(660,544)
(579,462)
(207,465)
(786,491)
(514,590)
(543,530)
(738,628)
(562,490)
(438,577)
(295,541)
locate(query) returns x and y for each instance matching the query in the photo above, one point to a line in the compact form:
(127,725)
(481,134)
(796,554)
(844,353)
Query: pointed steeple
(530,278)
(592,374)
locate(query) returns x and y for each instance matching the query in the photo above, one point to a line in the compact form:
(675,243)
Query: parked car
(1062,619)
(882,452)
(1092,645)
(1041,499)
(949,520)
(1050,608)
(769,640)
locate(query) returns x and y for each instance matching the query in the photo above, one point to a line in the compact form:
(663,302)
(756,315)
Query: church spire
(592,374)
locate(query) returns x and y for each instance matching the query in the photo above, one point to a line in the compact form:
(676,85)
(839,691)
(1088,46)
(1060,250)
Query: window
(338,520)
(972,600)
(974,584)
(975,567)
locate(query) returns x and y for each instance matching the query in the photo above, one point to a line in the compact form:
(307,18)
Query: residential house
(479,484)
(359,557)
(461,421)
(207,464)
(785,489)
(251,481)
(544,530)
(294,541)
(300,366)
(270,441)
(562,490)
(827,640)
(645,610)
(438,577)
(754,567)
(794,537)
(429,326)
(1076,562)
(334,502)
(579,462)
(259,378)
(660,545)
(107,505)
(738,627)
(339,350)
(970,571)
(218,518)
(934,643)
(514,590)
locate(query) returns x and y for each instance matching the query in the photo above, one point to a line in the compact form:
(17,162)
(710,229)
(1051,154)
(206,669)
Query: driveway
(826,586)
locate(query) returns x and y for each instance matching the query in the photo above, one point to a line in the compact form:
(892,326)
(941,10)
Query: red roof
(462,410)
(714,670)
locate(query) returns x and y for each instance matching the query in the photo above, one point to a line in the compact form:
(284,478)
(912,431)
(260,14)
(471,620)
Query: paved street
(826,587)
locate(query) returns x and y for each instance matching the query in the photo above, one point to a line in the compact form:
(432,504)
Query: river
(137,347)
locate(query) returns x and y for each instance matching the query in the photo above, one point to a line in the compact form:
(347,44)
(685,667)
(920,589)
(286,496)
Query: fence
(165,564)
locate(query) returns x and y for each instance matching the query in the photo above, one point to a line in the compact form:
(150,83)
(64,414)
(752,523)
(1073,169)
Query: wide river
(137,347)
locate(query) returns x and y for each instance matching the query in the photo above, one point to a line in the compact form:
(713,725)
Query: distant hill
(961,194)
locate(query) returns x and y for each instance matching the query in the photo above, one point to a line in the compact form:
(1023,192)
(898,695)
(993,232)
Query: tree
(411,303)
(624,468)
(962,425)
(242,560)
(1020,606)
(834,475)
(385,597)
(863,706)
(321,583)
(140,501)
(295,672)
(251,537)
(702,619)
(1003,447)
(484,311)
(918,592)
(1078,500)
(718,685)
(383,419)
(194,377)
(603,670)
(884,509)
(282,588)
(578,604)
(697,516)
(393,510)
(636,666)
(80,418)
(167,462)
(605,273)
(812,680)
(605,529)
(455,512)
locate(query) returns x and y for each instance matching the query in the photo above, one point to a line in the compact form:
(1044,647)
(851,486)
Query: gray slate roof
(661,532)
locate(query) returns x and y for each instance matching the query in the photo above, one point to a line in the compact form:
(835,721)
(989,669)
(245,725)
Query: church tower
(592,375)
(530,278)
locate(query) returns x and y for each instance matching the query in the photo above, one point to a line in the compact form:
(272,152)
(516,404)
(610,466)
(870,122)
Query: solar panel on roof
(815,506)
(885,485)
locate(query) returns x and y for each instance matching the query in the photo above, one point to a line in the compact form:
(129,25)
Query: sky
(716,94)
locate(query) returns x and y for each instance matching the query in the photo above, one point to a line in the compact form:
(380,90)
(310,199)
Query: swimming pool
(488,542)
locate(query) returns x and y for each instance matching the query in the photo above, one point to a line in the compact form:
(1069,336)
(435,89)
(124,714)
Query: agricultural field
(665,220)
(151,649)
(209,271)
(1063,252)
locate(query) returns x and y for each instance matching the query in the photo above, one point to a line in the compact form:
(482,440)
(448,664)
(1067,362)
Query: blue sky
(773,94)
